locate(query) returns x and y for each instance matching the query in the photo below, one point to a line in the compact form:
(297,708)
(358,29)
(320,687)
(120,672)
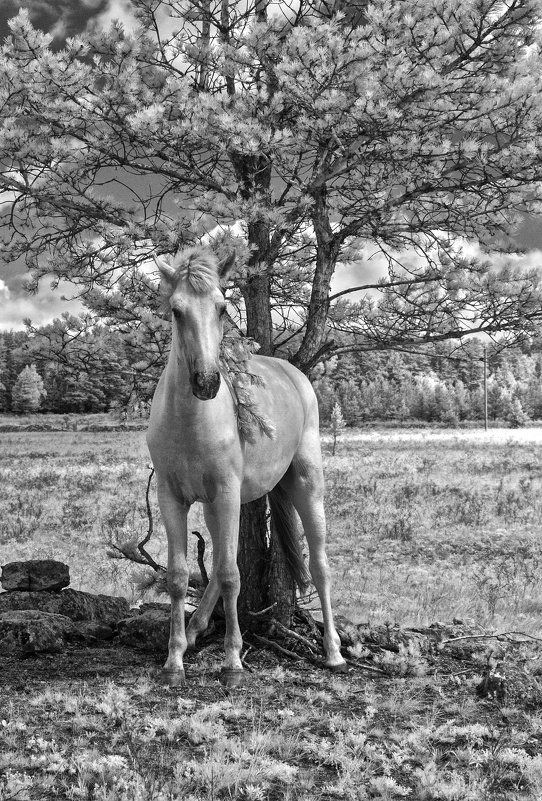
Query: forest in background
(71,366)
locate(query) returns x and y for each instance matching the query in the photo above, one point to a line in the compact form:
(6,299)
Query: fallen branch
(262,611)
(141,545)
(277,647)
(491,636)
(363,666)
(201,554)
(289,633)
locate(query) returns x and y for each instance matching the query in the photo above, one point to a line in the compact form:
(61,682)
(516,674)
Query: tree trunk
(282,590)
(253,557)
(328,248)
(265,579)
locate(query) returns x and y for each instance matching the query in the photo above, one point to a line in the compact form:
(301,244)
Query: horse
(199,455)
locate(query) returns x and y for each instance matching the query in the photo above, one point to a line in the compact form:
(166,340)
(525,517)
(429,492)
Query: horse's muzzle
(205,385)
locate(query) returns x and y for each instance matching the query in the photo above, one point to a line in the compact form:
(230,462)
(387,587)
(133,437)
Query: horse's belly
(263,469)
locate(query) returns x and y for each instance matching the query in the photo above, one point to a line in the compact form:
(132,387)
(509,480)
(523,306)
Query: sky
(63,18)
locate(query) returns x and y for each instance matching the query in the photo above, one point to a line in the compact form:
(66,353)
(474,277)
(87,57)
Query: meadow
(424,526)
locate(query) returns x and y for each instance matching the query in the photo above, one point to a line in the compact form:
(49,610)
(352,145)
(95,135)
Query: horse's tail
(284,522)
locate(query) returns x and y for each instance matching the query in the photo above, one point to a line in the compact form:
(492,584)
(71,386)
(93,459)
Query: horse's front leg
(174,514)
(223,516)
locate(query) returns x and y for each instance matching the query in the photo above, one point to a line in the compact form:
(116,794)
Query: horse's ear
(225,266)
(166,270)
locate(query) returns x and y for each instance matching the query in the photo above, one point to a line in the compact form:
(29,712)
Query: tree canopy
(309,136)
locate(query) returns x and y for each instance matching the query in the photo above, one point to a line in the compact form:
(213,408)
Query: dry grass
(436,525)
(422,526)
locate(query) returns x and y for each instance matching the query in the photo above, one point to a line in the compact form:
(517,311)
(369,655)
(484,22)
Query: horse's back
(285,381)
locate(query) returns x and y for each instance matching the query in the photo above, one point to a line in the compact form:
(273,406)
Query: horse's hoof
(173,678)
(342,667)
(232,677)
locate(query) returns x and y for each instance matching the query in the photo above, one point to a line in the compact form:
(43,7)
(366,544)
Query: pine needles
(235,355)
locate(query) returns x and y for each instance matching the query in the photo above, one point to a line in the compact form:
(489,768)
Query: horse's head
(191,285)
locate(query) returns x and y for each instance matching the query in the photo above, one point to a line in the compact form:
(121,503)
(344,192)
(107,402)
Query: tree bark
(253,558)
(265,579)
(327,252)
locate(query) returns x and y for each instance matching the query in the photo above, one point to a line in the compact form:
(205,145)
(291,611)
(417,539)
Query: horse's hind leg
(304,483)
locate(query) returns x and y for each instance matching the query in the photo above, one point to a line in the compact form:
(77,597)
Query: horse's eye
(222,310)
(176,314)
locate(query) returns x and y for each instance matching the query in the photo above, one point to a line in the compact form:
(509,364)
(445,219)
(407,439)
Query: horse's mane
(198,266)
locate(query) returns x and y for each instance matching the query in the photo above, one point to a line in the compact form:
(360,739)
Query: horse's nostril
(200,379)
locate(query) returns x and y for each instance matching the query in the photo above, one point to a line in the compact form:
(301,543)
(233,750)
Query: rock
(98,608)
(17,600)
(92,631)
(148,631)
(73,604)
(31,632)
(35,575)
(152,606)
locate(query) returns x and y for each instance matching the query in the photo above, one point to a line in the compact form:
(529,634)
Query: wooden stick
(277,647)
(201,554)
(263,611)
(365,667)
(289,633)
(141,546)
(489,636)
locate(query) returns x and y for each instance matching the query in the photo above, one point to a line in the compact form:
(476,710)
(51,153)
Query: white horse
(199,455)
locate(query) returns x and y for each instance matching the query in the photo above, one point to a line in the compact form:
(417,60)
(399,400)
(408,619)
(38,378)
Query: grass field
(423,526)
(433,525)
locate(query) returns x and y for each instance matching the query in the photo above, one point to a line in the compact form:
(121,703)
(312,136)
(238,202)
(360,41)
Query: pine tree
(28,392)
(445,408)
(517,416)
(12,362)
(325,395)
(337,423)
(349,398)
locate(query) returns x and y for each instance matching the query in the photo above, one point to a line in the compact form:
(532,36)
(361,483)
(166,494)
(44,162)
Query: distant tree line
(440,384)
(77,366)
(73,366)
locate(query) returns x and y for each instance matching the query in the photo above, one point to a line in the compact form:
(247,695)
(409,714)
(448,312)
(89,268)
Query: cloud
(373,265)
(117,10)
(61,18)
(367,270)
(16,305)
